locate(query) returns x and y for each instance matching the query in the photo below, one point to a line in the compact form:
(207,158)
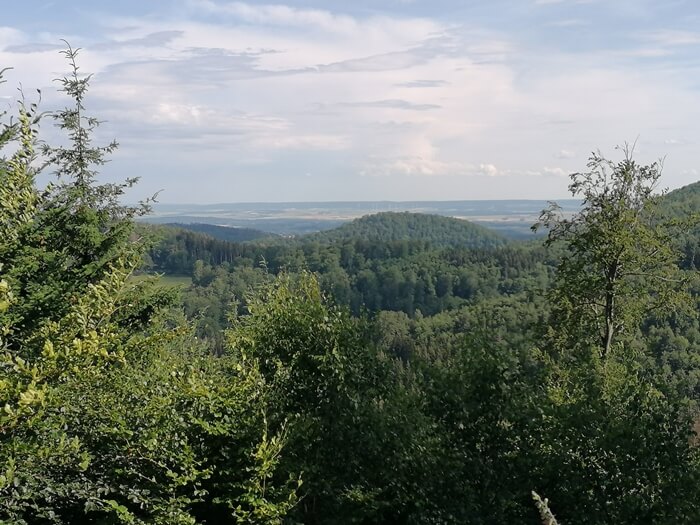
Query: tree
(112,412)
(355,430)
(615,435)
(619,263)
(74,231)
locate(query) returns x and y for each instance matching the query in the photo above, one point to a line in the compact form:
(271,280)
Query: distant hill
(398,226)
(225,233)
(682,201)
(510,218)
(678,204)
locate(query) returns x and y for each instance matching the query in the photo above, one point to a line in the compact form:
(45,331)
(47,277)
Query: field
(512,218)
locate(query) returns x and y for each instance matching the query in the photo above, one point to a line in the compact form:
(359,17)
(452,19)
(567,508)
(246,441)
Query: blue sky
(309,100)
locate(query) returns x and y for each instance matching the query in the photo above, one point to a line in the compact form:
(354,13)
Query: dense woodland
(401,369)
(391,264)
(224,232)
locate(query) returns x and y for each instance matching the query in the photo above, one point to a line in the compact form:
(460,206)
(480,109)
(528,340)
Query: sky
(218,101)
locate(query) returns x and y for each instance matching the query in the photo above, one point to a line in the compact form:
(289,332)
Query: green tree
(619,264)
(112,412)
(72,232)
(355,431)
(615,436)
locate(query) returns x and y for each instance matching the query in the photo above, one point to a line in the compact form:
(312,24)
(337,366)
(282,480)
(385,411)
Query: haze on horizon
(401,100)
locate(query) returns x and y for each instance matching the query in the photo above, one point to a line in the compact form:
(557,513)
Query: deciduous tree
(619,263)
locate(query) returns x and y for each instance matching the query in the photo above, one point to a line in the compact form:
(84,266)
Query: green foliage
(373,275)
(620,264)
(473,415)
(226,233)
(350,431)
(405,226)
(111,411)
(615,443)
(616,435)
(309,355)
(682,205)
(73,232)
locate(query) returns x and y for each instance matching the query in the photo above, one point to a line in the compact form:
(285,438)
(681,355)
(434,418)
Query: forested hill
(226,233)
(406,226)
(682,201)
(681,205)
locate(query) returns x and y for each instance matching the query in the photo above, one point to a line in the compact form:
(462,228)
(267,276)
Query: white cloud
(565,154)
(676,142)
(303,142)
(282,15)
(419,166)
(390,104)
(559,172)
(489,170)
(569,22)
(384,95)
(10,36)
(337,25)
(672,38)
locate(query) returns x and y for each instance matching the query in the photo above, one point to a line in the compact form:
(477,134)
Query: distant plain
(512,218)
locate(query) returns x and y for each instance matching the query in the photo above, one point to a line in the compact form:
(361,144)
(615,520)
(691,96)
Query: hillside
(225,233)
(405,226)
(681,204)
(682,201)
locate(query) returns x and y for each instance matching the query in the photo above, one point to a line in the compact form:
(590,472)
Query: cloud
(218,87)
(565,154)
(390,104)
(673,38)
(426,161)
(489,169)
(677,142)
(10,36)
(280,15)
(415,166)
(569,22)
(158,39)
(304,142)
(422,84)
(33,47)
(558,172)
(557,2)
(383,62)
(418,166)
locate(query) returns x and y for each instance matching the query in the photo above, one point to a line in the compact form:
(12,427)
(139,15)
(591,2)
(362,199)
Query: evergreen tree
(112,411)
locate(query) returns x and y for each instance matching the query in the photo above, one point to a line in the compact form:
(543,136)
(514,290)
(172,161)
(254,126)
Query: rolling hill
(399,226)
(680,204)
(225,233)
(682,201)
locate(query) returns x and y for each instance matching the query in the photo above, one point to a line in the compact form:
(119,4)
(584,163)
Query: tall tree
(616,437)
(111,412)
(70,233)
(619,263)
